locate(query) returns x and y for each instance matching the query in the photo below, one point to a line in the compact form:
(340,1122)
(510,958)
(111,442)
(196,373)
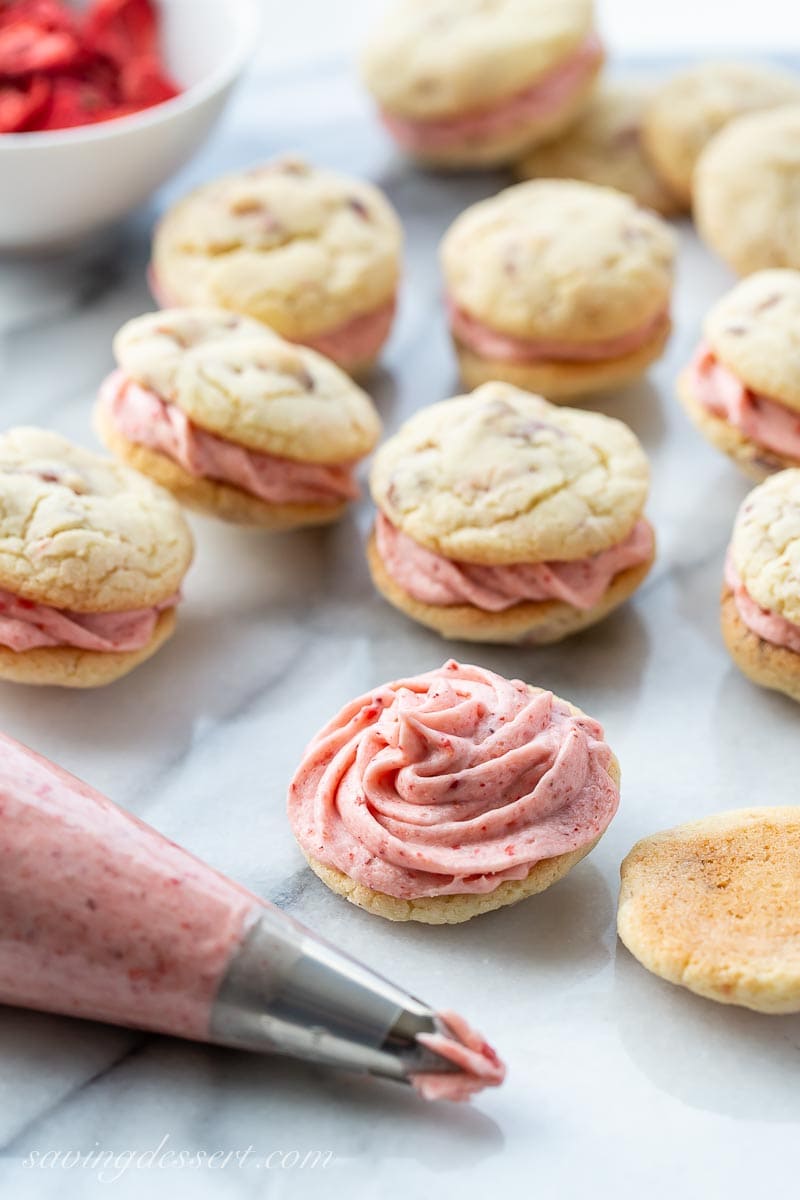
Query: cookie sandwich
(449,794)
(761,593)
(503,518)
(461,83)
(311,253)
(236,422)
(559,287)
(92,558)
(742,387)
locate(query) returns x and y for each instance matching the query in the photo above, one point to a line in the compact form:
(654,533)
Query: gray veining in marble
(618,1084)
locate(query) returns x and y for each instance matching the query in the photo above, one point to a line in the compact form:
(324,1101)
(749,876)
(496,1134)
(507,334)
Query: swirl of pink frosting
(760,418)
(769,626)
(451,782)
(503,347)
(433,579)
(480,1065)
(143,417)
(25,625)
(545,97)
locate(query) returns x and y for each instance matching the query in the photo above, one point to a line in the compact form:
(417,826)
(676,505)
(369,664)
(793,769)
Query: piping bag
(101,917)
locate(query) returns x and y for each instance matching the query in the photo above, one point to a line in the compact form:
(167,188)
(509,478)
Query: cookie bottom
(66,666)
(757,462)
(562,380)
(221,500)
(770,666)
(711,906)
(534,622)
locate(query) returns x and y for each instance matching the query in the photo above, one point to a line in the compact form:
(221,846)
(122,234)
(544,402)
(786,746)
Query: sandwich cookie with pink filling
(450,794)
(559,287)
(463,83)
(92,558)
(503,518)
(742,388)
(761,592)
(311,253)
(236,422)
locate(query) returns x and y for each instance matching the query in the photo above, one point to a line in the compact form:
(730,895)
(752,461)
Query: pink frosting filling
(479,1063)
(433,579)
(451,782)
(536,103)
(142,417)
(491,344)
(770,626)
(765,421)
(25,625)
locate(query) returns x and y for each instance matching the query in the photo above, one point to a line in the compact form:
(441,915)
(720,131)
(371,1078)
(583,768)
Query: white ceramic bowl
(57,187)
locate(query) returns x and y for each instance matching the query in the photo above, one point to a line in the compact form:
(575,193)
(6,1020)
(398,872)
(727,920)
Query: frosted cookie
(450,794)
(558,287)
(604,147)
(742,388)
(746,185)
(313,254)
(92,557)
(691,106)
(502,518)
(463,83)
(713,906)
(235,421)
(761,593)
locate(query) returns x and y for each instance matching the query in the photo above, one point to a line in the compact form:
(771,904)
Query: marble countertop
(619,1084)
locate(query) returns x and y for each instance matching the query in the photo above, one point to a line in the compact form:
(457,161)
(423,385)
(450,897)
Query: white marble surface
(619,1085)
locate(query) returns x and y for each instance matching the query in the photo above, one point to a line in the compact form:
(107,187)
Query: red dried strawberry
(142,82)
(22,104)
(26,47)
(75,102)
(123,29)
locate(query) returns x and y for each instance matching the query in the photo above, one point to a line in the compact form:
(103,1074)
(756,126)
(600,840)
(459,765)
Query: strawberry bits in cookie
(236,422)
(450,794)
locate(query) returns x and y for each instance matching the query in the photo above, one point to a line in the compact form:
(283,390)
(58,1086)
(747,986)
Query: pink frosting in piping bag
(433,579)
(491,343)
(479,1063)
(770,626)
(25,625)
(763,420)
(144,418)
(536,103)
(449,783)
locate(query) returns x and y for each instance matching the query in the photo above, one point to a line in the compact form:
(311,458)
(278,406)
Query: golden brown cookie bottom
(757,462)
(771,666)
(206,496)
(65,666)
(712,906)
(558,381)
(534,622)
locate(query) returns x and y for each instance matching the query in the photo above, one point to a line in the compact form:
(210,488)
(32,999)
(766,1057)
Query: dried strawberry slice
(75,102)
(123,29)
(26,47)
(143,83)
(21,104)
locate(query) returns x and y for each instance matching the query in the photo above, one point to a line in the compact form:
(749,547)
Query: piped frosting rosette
(452,783)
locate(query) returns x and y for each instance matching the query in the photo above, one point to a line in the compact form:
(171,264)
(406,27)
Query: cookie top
(713,906)
(755,331)
(437,58)
(83,533)
(604,147)
(554,258)
(745,191)
(691,106)
(237,379)
(766,544)
(502,476)
(300,248)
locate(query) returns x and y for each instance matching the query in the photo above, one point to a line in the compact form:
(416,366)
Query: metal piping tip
(403,1044)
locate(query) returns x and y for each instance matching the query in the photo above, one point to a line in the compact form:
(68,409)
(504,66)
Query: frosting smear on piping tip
(480,1066)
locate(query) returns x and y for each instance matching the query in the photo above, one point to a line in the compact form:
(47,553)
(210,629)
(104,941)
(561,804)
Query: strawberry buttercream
(25,625)
(480,1065)
(433,579)
(760,418)
(492,344)
(537,103)
(143,417)
(451,782)
(770,626)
